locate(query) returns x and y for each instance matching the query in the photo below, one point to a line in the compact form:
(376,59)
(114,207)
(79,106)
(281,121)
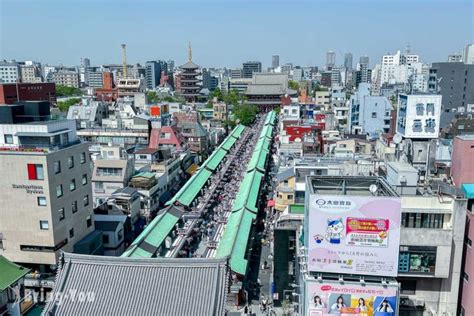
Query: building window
(41,201)
(86,200)
(374,114)
(408,287)
(72,185)
(44,225)
(417,260)
(71,233)
(70,162)
(89,221)
(83,157)
(61,214)
(35,172)
(290,196)
(57,167)
(59,190)
(105,239)
(99,186)
(84,179)
(8,139)
(74,207)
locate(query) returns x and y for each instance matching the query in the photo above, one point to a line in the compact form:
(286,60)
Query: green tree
(64,91)
(217,93)
(233,97)
(63,106)
(245,113)
(152,97)
(293,85)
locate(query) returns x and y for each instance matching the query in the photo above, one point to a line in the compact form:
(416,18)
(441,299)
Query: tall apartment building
(94,78)
(348,61)
(368,114)
(468,54)
(275,61)
(45,187)
(250,67)
(66,78)
(455,82)
(330,60)
(9,71)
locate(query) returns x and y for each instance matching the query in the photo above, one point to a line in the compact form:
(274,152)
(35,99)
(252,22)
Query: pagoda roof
(189,65)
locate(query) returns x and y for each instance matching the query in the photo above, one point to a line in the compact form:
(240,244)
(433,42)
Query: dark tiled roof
(131,286)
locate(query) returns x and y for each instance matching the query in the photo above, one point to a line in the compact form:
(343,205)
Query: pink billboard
(331,298)
(354,234)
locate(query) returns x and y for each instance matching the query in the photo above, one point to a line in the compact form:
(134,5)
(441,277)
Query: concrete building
(94,78)
(112,171)
(240,85)
(236,73)
(275,61)
(323,99)
(466,304)
(468,54)
(455,82)
(348,61)
(9,71)
(30,74)
(153,70)
(368,114)
(46,171)
(330,60)
(66,78)
(454,58)
(462,170)
(251,67)
(418,115)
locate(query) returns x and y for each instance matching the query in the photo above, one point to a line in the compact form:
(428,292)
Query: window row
(44,225)
(422,220)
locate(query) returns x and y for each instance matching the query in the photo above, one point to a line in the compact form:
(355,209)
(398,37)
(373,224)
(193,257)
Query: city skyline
(237,31)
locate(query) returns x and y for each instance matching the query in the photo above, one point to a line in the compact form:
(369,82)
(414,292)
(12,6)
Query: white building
(9,71)
(66,78)
(468,54)
(418,115)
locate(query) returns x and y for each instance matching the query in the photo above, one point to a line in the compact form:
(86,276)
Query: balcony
(39,149)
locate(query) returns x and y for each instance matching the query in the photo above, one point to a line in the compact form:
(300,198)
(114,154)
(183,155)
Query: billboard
(353,234)
(331,298)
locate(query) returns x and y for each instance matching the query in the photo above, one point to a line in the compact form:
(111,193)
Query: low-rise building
(66,78)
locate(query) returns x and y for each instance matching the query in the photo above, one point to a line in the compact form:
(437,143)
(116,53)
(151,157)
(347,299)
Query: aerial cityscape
(237,158)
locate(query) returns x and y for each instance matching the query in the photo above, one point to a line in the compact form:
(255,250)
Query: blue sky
(227,33)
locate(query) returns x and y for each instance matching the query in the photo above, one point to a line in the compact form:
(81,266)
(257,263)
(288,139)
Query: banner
(326,299)
(354,234)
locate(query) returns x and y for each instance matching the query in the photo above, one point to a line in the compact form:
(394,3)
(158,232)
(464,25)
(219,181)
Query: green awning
(228,143)
(238,262)
(468,189)
(258,160)
(216,159)
(297,208)
(226,243)
(193,186)
(238,130)
(248,193)
(146,244)
(10,273)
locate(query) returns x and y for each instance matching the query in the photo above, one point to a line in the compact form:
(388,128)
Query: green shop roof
(10,273)
(258,160)
(193,186)
(238,262)
(227,241)
(248,193)
(238,130)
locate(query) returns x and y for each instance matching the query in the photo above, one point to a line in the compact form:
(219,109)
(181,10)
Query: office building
(348,61)
(46,185)
(251,67)
(11,93)
(30,74)
(9,71)
(330,60)
(236,73)
(66,78)
(364,60)
(153,71)
(94,79)
(275,61)
(455,82)
(454,58)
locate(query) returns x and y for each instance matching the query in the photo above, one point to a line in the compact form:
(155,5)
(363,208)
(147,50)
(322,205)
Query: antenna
(124,60)
(190,53)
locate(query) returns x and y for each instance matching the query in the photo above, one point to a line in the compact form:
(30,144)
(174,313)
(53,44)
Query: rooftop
(138,286)
(10,273)
(349,185)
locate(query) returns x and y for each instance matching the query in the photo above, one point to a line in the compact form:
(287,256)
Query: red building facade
(13,92)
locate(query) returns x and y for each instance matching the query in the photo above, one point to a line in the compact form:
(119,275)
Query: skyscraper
(330,59)
(275,61)
(153,71)
(348,61)
(250,67)
(364,60)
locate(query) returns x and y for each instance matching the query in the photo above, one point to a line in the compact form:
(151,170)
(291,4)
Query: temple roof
(189,65)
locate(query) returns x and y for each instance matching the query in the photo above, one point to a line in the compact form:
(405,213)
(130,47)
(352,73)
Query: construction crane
(124,60)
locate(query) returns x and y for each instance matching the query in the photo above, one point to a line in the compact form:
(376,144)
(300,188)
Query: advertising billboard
(331,298)
(354,234)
